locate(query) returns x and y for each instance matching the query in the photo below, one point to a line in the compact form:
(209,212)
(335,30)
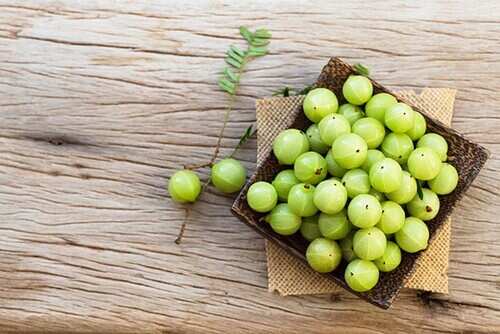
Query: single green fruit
(357,89)
(369,243)
(228,175)
(426,208)
(283,221)
(361,275)
(393,217)
(391,258)
(413,236)
(323,255)
(446,181)
(399,117)
(334,227)
(318,103)
(262,197)
(289,144)
(330,196)
(283,182)
(310,167)
(184,186)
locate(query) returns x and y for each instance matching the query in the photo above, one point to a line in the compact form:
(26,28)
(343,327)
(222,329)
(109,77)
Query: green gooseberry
(318,103)
(357,89)
(262,197)
(283,221)
(413,236)
(323,255)
(184,186)
(228,175)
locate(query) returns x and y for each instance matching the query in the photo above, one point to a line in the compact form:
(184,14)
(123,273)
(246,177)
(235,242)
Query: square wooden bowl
(465,155)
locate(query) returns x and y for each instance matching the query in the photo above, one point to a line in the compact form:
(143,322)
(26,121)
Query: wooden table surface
(101,101)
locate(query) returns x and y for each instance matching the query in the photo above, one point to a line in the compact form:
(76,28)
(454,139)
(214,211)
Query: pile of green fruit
(351,189)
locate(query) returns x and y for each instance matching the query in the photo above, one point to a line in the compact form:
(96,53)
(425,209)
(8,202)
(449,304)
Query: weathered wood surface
(101,101)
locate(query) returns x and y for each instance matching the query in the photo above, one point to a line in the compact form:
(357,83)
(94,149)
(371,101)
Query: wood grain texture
(101,101)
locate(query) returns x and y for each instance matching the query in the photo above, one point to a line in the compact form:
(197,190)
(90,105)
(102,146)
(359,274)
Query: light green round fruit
(283,182)
(309,228)
(346,247)
(419,127)
(310,167)
(283,221)
(323,255)
(435,142)
(446,181)
(426,208)
(369,243)
(361,275)
(413,236)
(228,175)
(333,126)
(289,145)
(392,219)
(315,142)
(357,89)
(330,196)
(391,258)
(406,191)
(378,104)
(351,112)
(356,181)
(349,151)
(424,164)
(333,167)
(262,197)
(364,211)
(397,146)
(301,200)
(318,103)
(184,186)
(371,130)
(372,156)
(399,117)
(386,175)
(334,227)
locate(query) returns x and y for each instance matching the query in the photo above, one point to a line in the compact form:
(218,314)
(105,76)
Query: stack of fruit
(356,187)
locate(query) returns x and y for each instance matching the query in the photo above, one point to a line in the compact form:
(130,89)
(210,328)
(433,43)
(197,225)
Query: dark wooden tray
(466,156)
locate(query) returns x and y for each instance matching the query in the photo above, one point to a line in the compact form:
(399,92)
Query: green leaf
(257,51)
(306,90)
(237,50)
(227,86)
(233,62)
(362,69)
(235,56)
(246,34)
(262,33)
(249,132)
(286,91)
(260,41)
(419,190)
(231,75)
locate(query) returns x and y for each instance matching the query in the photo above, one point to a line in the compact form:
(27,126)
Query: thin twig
(183,226)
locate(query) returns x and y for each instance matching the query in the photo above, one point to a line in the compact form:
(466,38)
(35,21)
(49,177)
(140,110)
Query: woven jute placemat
(286,274)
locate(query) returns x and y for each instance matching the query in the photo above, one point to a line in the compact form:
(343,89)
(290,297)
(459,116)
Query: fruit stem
(183,226)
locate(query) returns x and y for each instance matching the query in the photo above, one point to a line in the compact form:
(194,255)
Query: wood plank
(102,101)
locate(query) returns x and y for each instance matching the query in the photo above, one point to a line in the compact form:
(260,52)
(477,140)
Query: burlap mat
(286,274)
